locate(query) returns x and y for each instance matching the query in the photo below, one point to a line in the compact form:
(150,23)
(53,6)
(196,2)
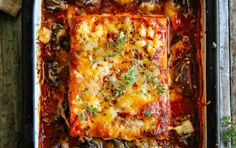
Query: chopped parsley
(95,110)
(78,99)
(119,91)
(121,39)
(161,90)
(91,110)
(87,106)
(82,116)
(151,78)
(130,77)
(120,42)
(155,82)
(148,113)
(110,54)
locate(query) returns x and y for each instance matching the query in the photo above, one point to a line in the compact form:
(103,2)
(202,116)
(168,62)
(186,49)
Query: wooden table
(10,81)
(11,68)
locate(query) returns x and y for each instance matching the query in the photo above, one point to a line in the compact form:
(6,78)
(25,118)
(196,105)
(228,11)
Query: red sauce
(185,28)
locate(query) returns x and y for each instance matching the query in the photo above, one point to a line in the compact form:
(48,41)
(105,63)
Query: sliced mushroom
(54,72)
(92,143)
(119,143)
(185,76)
(60,37)
(55,5)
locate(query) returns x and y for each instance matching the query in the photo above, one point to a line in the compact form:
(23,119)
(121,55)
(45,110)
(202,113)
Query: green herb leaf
(154,81)
(117,53)
(95,111)
(148,113)
(119,91)
(78,99)
(88,109)
(120,42)
(161,90)
(225,121)
(87,105)
(110,54)
(121,39)
(228,131)
(152,78)
(130,76)
(82,117)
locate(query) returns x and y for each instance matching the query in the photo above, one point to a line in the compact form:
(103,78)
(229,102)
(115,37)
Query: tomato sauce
(184,68)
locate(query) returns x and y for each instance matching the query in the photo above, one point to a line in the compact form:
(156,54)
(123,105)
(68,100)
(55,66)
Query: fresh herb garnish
(87,106)
(110,54)
(148,113)
(228,131)
(91,110)
(161,89)
(119,91)
(82,117)
(88,109)
(130,77)
(120,42)
(95,110)
(121,39)
(78,99)
(151,78)
(155,82)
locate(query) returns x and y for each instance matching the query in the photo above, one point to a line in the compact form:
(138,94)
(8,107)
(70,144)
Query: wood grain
(224,55)
(233,56)
(10,81)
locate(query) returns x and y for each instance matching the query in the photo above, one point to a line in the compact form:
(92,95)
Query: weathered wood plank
(10,81)
(233,56)
(223,47)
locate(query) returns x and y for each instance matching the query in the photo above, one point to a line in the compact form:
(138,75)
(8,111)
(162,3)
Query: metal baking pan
(30,24)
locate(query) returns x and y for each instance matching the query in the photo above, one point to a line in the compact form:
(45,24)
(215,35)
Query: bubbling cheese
(112,73)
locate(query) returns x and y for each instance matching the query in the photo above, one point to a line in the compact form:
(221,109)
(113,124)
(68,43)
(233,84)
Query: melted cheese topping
(118,84)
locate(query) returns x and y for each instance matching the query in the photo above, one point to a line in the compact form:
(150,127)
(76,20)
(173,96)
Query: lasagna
(121,73)
(118,85)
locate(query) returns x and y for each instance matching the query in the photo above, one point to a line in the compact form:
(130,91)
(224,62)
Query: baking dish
(32,89)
